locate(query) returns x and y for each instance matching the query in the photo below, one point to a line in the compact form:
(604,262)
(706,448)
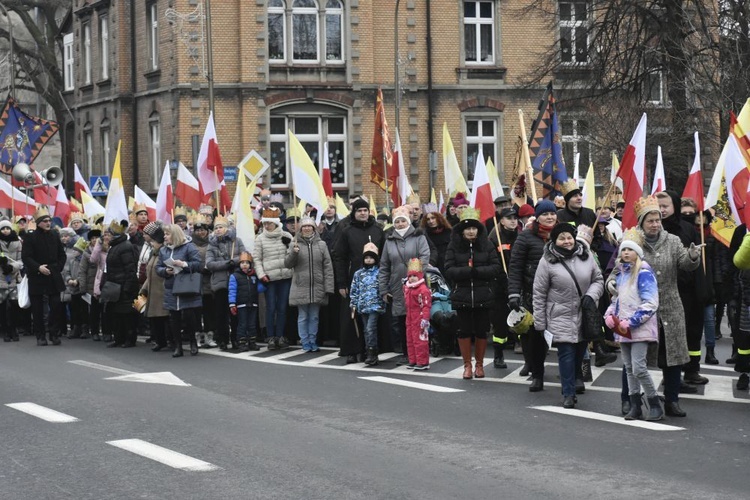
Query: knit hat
(66,231)
(360,203)
(5,223)
(526,210)
(307,221)
(155,232)
(460,200)
(543,207)
(371,250)
(632,239)
(401,212)
(561,228)
(94,232)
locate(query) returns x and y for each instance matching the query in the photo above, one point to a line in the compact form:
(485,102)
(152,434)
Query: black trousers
(208,313)
(225,322)
(160,329)
(9,318)
(694,312)
(537,352)
(46,312)
(186,319)
(95,316)
(473,323)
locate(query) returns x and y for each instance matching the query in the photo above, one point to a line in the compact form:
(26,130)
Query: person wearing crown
(120,286)
(207,319)
(78,224)
(573,210)
(418,301)
(43,257)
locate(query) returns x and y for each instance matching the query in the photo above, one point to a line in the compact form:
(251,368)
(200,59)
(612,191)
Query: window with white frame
(152,25)
(574,135)
(69,62)
(87,53)
(88,150)
(653,80)
(314,133)
(313,35)
(106,150)
(574,44)
(104,46)
(154,149)
(479,32)
(481,133)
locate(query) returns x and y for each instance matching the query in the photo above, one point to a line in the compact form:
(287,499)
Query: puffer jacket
(99,258)
(364,296)
(186,252)
(524,259)
(122,263)
(87,272)
(202,246)
(153,289)
(397,252)
(557,305)
(473,287)
(243,289)
(222,258)
(636,301)
(70,272)
(270,252)
(11,249)
(313,271)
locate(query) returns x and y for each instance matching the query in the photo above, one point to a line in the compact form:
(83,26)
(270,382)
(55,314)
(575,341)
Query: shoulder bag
(186,283)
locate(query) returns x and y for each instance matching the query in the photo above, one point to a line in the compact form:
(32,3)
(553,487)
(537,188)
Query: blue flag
(22,136)
(545,146)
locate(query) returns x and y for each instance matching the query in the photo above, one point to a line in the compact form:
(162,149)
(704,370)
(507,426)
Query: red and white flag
(210,169)
(633,173)
(401,187)
(164,198)
(736,174)
(326,177)
(188,189)
(694,184)
(660,180)
(80,182)
(481,192)
(62,206)
(143,198)
(12,198)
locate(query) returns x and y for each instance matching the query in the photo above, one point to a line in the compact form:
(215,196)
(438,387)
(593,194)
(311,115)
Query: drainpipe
(430,124)
(133,82)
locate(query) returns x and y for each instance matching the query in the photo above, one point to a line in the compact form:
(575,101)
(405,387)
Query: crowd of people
(525,278)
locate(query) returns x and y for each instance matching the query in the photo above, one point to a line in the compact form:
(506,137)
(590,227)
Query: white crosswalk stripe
(43,412)
(163,455)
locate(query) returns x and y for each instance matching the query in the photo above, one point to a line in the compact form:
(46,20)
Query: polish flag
(143,198)
(633,173)
(326,177)
(80,182)
(62,206)
(188,189)
(12,198)
(660,180)
(401,187)
(694,185)
(481,193)
(732,163)
(164,199)
(210,169)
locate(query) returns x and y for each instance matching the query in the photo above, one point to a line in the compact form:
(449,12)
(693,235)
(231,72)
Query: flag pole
(294,200)
(526,157)
(703,244)
(500,244)
(12,200)
(385,157)
(218,190)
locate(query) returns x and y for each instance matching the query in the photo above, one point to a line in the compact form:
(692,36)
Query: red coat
(418,302)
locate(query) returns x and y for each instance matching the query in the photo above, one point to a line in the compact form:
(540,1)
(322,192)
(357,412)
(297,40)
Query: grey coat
(397,252)
(87,272)
(153,289)
(222,258)
(557,305)
(313,271)
(11,250)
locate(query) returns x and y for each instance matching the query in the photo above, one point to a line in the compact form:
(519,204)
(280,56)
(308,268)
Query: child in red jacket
(418,302)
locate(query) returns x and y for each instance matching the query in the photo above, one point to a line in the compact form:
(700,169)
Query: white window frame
(88,146)
(154,128)
(306,11)
(104,45)
(654,76)
(481,140)
(106,149)
(69,61)
(478,22)
(87,53)
(339,11)
(282,11)
(152,21)
(573,24)
(575,138)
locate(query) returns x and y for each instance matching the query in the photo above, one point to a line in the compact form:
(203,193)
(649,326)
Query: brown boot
(465,346)
(480,345)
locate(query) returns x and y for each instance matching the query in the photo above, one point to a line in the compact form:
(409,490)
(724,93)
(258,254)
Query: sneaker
(282,342)
(421,368)
(411,366)
(306,348)
(314,347)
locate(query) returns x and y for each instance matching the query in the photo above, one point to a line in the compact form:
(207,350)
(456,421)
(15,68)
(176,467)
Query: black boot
(673,409)
(711,357)
(743,382)
(251,345)
(695,378)
(499,361)
(372,356)
(635,412)
(193,346)
(41,341)
(655,413)
(537,384)
(733,358)
(75,332)
(625,406)
(603,358)
(586,370)
(580,386)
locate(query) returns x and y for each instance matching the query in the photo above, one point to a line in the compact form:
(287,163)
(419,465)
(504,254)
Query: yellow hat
(115,228)
(414,267)
(139,207)
(41,213)
(77,216)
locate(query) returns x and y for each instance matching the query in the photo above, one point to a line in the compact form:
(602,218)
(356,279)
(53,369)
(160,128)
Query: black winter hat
(563,227)
(360,203)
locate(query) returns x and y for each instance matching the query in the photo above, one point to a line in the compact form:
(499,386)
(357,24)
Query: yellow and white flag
(116,207)
(243,213)
(341,209)
(495,186)
(91,207)
(589,189)
(305,177)
(454,179)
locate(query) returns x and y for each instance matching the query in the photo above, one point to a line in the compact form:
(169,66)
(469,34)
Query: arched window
(313,34)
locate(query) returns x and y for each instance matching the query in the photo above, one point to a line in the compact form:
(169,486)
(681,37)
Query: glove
(514,303)
(233,309)
(610,321)
(588,302)
(286,240)
(265,279)
(694,251)
(230,264)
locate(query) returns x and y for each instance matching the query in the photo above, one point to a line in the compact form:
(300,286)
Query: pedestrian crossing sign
(99,185)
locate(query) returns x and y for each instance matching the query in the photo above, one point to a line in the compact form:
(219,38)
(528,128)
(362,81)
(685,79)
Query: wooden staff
(500,244)
(609,193)
(526,157)
(703,245)
(218,189)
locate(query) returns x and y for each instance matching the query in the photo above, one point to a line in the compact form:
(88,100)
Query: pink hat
(459,200)
(526,210)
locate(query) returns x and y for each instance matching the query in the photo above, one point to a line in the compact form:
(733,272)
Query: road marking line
(42,412)
(652,426)
(163,455)
(289,354)
(321,359)
(387,355)
(97,366)
(413,385)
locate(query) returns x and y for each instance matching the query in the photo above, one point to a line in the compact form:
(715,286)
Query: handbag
(592,327)
(187,284)
(23,293)
(110,292)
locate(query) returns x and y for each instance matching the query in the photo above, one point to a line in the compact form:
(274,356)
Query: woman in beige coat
(153,289)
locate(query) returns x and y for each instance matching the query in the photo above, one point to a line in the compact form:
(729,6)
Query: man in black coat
(574,212)
(43,257)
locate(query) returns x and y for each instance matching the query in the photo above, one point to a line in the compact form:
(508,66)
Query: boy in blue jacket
(243,302)
(365,300)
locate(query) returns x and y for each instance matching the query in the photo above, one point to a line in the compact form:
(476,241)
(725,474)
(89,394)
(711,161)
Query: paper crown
(41,212)
(569,186)
(413,198)
(402,211)
(180,211)
(585,233)
(245,256)
(370,248)
(220,220)
(81,245)
(646,205)
(271,214)
(96,229)
(292,213)
(116,228)
(139,207)
(633,234)
(307,221)
(429,208)
(201,221)
(77,216)
(414,266)
(206,210)
(470,213)
(277,198)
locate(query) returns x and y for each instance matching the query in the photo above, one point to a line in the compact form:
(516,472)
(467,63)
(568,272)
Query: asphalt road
(295,428)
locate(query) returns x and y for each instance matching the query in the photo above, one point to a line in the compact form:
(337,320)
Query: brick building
(136,73)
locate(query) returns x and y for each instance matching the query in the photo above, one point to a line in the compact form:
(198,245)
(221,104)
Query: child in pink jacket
(418,301)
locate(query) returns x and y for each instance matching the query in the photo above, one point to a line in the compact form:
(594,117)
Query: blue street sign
(230,174)
(99,185)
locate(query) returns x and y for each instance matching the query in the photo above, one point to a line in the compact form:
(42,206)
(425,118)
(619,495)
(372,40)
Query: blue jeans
(709,325)
(307,323)
(247,318)
(569,359)
(370,322)
(277,300)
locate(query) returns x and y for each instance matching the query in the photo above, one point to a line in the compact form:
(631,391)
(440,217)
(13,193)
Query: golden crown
(116,228)
(634,234)
(77,216)
(180,211)
(471,213)
(139,207)
(569,186)
(41,212)
(402,211)
(645,205)
(415,266)
(81,245)
(413,198)
(221,220)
